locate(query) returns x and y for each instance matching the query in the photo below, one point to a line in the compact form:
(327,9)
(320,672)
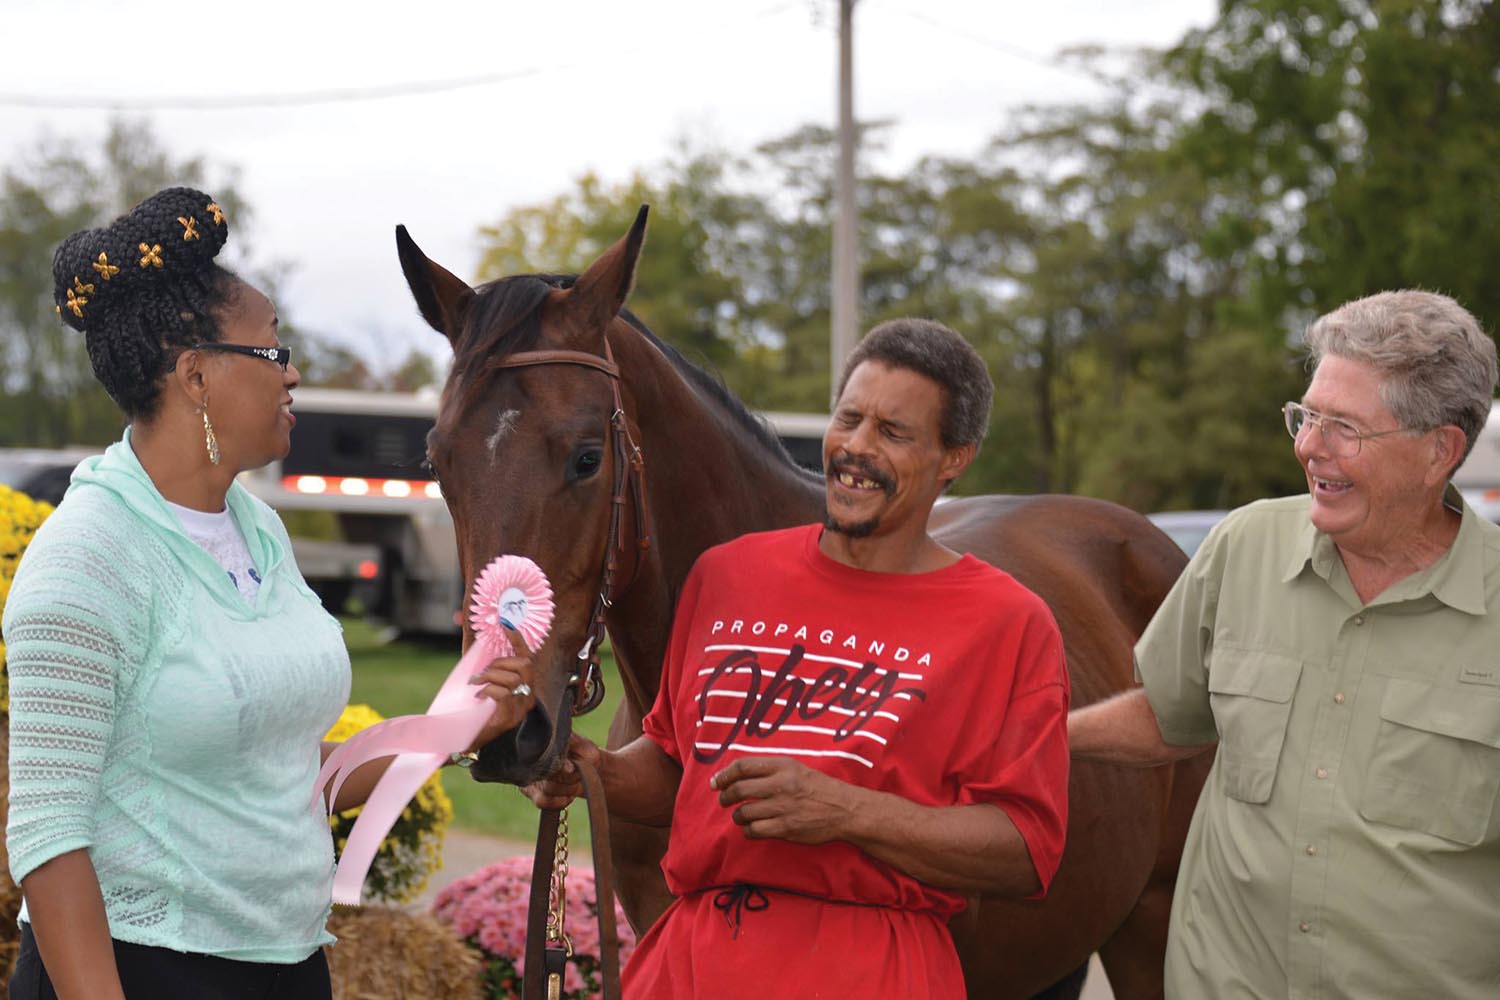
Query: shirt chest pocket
(1436,761)
(1251,696)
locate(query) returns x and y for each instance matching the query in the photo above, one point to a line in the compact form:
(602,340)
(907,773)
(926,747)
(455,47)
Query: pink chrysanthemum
(515,588)
(488,909)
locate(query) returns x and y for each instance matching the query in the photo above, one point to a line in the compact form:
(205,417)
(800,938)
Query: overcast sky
(589,85)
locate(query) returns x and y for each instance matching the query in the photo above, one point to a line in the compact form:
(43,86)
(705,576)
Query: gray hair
(1437,365)
(929,348)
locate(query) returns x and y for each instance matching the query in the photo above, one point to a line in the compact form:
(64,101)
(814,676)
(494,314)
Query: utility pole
(845,320)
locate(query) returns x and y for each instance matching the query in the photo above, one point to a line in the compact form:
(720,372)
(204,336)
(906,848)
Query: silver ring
(522,689)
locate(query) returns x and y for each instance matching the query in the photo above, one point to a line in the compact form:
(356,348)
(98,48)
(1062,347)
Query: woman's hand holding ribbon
(507,680)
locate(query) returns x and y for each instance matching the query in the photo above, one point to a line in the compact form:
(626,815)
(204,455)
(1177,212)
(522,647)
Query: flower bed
(20,516)
(488,911)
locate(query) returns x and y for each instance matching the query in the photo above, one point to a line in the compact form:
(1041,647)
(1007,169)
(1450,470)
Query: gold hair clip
(189,228)
(217,212)
(151,255)
(81,287)
(104,267)
(75,303)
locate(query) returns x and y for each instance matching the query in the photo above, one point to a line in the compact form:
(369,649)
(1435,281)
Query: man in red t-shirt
(856,725)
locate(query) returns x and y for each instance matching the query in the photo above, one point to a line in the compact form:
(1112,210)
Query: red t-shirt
(945,688)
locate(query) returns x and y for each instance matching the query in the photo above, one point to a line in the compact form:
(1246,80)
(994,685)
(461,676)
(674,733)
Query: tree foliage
(55,188)
(52,190)
(1136,271)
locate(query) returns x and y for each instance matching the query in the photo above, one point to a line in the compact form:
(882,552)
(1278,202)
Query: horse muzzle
(525,753)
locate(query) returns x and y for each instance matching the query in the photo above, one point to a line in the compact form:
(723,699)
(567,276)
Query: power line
(1006,47)
(1056,63)
(247,101)
(309,98)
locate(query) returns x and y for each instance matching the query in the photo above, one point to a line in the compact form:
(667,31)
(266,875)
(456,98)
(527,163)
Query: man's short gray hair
(1437,365)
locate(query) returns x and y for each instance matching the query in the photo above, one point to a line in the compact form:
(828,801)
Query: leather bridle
(587,681)
(547,947)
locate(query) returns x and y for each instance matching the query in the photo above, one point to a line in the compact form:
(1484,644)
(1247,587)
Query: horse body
(712,475)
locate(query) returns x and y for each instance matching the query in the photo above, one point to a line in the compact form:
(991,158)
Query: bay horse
(552,388)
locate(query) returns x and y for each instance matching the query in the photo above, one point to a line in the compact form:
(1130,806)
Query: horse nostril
(519,756)
(534,735)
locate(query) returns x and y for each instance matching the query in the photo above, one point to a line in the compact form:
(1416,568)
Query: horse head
(527,449)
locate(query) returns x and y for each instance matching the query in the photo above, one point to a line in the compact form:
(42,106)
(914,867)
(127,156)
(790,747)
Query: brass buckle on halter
(589,691)
(593,693)
(587,683)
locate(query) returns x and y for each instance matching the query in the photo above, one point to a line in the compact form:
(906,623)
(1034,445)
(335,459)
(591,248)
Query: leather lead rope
(547,945)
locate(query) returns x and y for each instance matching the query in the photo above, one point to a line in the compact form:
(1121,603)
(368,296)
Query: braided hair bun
(142,286)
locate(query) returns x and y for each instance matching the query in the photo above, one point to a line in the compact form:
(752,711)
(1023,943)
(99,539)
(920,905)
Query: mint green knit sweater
(167,726)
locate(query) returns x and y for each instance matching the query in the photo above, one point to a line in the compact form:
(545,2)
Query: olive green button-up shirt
(1347,842)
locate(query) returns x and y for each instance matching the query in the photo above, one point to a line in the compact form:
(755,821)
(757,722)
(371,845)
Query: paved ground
(464,853)
(467,852)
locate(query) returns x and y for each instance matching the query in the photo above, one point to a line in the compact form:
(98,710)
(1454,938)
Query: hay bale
(388,954)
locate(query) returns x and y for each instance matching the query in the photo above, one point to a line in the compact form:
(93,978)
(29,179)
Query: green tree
(683,292)
(52,190)
(1367,135)
(1136,271)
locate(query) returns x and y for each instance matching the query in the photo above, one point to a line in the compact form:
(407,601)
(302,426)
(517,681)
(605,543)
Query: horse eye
(586,462)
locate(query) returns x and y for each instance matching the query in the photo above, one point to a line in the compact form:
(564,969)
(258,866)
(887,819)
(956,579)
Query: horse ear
(442,297)
(600,292)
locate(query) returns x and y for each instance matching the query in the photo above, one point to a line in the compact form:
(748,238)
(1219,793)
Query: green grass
(400,678)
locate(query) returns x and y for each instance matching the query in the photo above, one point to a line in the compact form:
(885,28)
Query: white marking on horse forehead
(504,424)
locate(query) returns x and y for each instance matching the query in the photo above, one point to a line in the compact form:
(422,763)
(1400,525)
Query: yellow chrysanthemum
(413,850)
(20,516)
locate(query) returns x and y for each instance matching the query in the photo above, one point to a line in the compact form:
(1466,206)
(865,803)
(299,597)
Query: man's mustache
(863,469)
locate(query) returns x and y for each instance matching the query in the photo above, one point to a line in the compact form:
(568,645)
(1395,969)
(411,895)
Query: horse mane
(505,319)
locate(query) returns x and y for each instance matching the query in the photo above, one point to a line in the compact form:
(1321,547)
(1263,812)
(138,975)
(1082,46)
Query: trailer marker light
(369,569)
(358,486)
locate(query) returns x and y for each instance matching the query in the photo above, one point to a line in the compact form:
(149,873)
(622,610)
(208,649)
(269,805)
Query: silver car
(1187,528)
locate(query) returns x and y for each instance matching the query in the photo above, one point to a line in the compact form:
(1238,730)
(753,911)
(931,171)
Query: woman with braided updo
(171,673)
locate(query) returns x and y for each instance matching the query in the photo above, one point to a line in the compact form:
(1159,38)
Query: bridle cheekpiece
(587,681)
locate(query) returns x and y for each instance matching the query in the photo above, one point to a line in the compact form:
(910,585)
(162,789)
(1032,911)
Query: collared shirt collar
(1456,579)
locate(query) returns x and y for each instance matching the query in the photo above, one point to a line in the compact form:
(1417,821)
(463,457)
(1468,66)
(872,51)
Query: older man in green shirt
(1343,648)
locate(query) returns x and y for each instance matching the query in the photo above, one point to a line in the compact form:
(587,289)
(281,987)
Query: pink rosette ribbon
(512,589)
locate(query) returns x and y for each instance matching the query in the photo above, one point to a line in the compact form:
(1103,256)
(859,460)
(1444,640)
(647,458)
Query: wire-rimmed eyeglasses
(280,355)
(1341,437)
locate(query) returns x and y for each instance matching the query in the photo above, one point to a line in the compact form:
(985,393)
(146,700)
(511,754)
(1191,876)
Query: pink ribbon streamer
(421,744)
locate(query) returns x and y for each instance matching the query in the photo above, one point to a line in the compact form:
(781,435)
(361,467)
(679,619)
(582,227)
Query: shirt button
(1321,772)
(1312,849)
(1304,927)
(1359,619)
(1338,699)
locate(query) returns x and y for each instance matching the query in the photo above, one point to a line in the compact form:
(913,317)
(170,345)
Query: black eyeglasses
(281,355)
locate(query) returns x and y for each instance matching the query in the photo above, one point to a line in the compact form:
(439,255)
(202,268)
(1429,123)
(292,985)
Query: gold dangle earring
(208,438)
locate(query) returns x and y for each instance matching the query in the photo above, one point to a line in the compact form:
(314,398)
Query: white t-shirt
(220,537)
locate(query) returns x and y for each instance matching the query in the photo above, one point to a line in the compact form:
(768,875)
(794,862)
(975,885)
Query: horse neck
(707,481)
